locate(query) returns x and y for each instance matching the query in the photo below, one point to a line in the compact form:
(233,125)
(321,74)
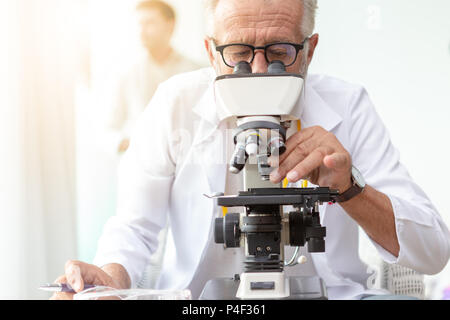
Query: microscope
(261,106)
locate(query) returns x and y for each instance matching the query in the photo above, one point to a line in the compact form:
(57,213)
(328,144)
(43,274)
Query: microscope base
(301,288)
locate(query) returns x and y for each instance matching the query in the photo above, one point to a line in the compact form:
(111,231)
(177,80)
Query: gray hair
(307,28)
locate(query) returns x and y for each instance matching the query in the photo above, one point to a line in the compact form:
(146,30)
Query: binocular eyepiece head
(244,67)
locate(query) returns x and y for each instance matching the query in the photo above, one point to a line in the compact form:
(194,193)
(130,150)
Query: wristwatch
(357,187)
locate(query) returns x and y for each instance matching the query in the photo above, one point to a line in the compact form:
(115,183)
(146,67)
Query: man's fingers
(73,275)
(61,295)
(61,279)
(77,274)
(307,151)
(296,140)
(287,163)
(80,273)
(337,161)
(294,171)
(310,163)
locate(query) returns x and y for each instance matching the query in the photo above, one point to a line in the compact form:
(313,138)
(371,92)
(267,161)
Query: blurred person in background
(158,63)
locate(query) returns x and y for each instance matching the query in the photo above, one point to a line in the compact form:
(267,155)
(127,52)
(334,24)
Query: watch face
(357,176)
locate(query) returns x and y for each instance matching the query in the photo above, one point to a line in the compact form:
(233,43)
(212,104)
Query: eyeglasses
(285,52)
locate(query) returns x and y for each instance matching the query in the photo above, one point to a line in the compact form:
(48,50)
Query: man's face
(155,29)
(257,22)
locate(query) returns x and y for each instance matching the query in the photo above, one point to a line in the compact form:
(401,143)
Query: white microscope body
(266,101)
(261,106)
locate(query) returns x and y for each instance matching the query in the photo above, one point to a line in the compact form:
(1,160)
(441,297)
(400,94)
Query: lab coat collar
(206,107)
(315,110)
(311,109)
(206,110)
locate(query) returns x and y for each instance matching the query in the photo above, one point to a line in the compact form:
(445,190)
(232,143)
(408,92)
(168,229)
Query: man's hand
(316,155)
(78,273)
(124,145)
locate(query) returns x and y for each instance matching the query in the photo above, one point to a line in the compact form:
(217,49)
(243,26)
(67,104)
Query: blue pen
(63,287)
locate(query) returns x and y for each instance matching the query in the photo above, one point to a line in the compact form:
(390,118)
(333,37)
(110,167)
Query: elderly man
(168,168)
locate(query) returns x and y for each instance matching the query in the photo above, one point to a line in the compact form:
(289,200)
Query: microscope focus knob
(227,231)
(218,231)
(316,245)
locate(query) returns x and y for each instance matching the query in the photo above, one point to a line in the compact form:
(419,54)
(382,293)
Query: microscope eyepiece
(276,67)
(242,67)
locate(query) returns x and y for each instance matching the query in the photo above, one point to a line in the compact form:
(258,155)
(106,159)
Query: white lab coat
(134,90)
(176,156)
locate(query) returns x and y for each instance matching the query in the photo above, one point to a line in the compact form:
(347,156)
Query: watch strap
(353,191)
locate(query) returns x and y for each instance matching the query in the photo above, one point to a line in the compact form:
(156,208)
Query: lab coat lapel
(314,111)
(210,142)
(317,112)
(206,165)
(211,152)
(311,109)
(209,146)
(201,173)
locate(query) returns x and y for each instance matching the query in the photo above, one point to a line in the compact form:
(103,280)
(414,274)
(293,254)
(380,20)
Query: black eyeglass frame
(297,46)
